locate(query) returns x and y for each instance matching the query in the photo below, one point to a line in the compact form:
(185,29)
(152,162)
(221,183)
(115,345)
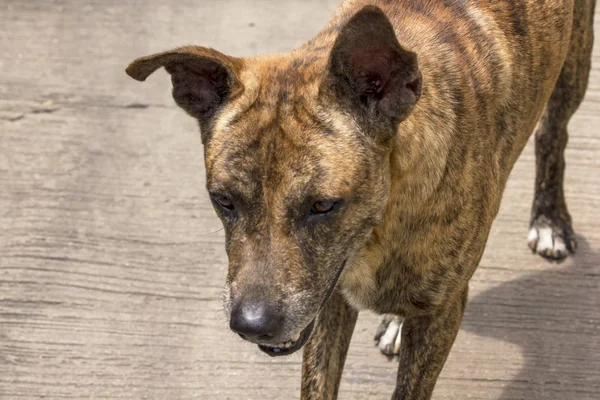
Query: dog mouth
(295,344)
(291,346)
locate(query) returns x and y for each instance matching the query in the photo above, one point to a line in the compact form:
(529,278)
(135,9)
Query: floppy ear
(370,73)
(202,78)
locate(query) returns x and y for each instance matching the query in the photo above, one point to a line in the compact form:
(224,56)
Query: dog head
(297,159)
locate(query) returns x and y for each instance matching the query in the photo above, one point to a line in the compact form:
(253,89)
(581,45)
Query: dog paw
(551,238)
(387,337)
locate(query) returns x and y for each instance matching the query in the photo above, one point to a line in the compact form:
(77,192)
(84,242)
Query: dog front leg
(325,352)
(425,345)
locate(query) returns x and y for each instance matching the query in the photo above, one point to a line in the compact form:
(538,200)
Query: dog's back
(494,60)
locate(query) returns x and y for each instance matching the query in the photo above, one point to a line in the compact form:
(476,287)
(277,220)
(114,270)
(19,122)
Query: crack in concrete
(14,114)
(20,109)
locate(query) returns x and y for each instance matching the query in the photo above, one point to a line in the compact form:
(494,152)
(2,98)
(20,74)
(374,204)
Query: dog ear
(371,73)
(202,78)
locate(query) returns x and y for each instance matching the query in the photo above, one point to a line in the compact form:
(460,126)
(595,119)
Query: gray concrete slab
(112,260)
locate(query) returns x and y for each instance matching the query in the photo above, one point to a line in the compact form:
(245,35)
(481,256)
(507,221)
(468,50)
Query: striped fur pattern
(408,115)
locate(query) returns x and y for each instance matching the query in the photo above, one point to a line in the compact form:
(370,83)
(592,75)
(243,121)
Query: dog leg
(325,352)
(426,343)
(388,335)
(551,234)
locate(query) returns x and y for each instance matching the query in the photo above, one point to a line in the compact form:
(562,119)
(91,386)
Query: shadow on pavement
(552,316)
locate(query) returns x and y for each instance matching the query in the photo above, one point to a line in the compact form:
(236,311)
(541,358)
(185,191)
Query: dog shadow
(553,316)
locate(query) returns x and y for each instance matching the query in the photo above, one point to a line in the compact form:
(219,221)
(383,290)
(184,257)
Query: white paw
(544,241)
(389,335)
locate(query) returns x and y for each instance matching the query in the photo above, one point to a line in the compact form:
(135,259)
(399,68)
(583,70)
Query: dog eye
(322,207)
(225,202)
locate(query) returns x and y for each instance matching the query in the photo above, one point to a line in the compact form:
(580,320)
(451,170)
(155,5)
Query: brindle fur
(549,206)
(421,181)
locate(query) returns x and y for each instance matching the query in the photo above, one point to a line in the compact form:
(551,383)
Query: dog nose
(255,321)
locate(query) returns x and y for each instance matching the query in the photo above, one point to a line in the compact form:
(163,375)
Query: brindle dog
(364,169)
